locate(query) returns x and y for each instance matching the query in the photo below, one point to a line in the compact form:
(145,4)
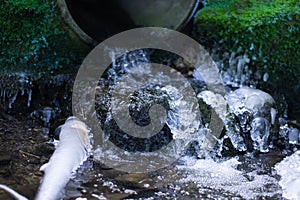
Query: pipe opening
(100,20)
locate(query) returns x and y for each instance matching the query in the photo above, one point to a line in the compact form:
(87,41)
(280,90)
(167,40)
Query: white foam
(289,170)
(224,176)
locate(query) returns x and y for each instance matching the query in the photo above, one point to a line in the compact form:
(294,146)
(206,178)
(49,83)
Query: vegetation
(34,39)
(266,30)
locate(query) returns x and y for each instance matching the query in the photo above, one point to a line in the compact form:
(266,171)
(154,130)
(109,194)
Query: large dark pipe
(95,20)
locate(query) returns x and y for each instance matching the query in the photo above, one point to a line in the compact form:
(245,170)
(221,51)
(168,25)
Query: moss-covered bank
(267,31)
(38,51)
(34,38)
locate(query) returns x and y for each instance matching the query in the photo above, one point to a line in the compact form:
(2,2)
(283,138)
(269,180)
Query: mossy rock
(266,31)
(35,39)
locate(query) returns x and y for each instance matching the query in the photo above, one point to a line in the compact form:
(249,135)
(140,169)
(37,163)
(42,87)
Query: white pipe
(71,151)
(13,193)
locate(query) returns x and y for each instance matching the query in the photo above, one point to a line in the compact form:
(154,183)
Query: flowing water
(240,166)
(248,173)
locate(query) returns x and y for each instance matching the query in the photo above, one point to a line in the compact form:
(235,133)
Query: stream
(244,163)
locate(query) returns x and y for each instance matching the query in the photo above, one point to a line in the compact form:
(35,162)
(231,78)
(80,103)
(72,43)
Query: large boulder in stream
(255,43)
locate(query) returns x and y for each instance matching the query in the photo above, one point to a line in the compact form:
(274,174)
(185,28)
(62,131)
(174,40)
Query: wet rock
(250,100)
(251,115)
(139,180)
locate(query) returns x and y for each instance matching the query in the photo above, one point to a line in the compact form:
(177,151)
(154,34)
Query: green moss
(34,39)
(267,31)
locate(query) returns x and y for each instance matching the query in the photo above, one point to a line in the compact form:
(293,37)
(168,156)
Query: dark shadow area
(98,19)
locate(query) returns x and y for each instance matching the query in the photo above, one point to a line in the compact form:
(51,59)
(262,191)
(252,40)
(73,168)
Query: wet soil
(24,148)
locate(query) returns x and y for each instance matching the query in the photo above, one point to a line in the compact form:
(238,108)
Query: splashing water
(253,113)
(144,85)
(252,107)
(237,74)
